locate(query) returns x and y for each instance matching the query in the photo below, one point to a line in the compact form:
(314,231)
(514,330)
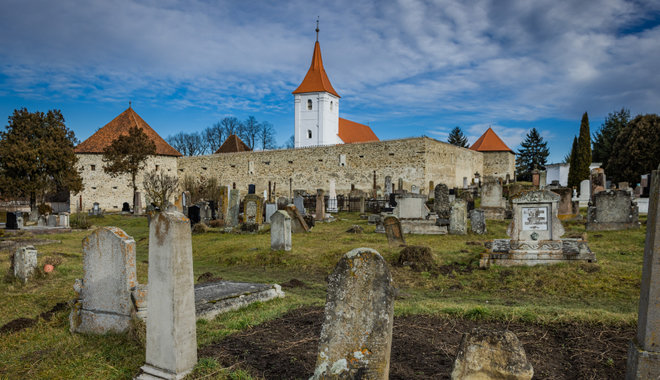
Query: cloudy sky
(406,68)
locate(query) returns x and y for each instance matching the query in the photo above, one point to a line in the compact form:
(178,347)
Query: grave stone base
(97,322)
(494,213)
(507,252)
(417,227)
(152,373)
(611,226)
(642,364)
(215,298)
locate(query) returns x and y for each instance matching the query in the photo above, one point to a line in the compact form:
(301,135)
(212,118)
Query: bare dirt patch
(424,347)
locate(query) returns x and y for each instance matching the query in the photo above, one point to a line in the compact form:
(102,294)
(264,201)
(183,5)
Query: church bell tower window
(309,133)
(309,104)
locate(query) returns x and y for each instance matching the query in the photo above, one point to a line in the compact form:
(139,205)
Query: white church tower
(316,106)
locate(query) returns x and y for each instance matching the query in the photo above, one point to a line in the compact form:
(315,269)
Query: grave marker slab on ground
(356,338)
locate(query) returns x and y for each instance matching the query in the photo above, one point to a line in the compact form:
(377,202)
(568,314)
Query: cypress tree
(572,159)
(580,168)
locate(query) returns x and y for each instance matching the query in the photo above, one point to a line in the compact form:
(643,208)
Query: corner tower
(316,106)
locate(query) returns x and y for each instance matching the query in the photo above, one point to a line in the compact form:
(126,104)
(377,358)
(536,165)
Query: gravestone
(42,221)
(52,220)
(458,218)
(644,351)
(171,333)
(491,199)
(388,186)
(320,205)
(394,231)
(400,184)
(332,199)
(362,204)
(24,263)
(543,179)
(468,198)
(270,210)
(63,220)
(223,203)
(280,231)
(233,208)
(194,214)
(125,207)
(96,210)
(253,209)
(567,208)
(213,208)
(478,221)
(105,303)
(612,210)
(598,180)
(298,223)
(585,193)
(356,338)
(137,203)
(282,202)
(441,204)
(14,220)
(252,189)
(205,213)
(411,206)
(299,202)
(414,189)
(536,178)
(623,185)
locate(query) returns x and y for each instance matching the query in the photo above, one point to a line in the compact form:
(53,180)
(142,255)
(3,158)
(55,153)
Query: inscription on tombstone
(280,231)
(253,209)
(441,204)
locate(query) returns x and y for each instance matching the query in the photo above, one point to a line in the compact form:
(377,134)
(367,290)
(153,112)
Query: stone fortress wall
(110,192)
(499,164)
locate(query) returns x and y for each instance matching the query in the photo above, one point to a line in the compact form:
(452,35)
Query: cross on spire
(317,28)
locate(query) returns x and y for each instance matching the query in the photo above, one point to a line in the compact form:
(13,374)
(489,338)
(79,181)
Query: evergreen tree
(456,137)
(573,164)
(606,136)
(636,150)
(579,169)
(37,157)
(128,154)
(533,155)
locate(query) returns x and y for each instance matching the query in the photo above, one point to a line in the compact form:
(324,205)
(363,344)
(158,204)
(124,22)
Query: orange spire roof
(352,132)
(120,125)
(490,142)
(233,144)
(316,79)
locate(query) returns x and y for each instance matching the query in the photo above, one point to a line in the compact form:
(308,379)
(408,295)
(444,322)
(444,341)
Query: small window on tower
(309,133)
(309,104)
(332,104)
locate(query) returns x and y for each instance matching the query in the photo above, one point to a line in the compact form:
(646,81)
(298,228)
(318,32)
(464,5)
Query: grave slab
(214,298)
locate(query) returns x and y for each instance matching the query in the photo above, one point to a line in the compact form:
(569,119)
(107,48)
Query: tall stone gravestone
(567,209)
(393,231)
(171,331)
(320,205)
(280,231)
(611,210)
(253,209)
(52,220)
(270,210)
(388,186)
(478,221)
(24,263)
(137,203)
(458,218)
(234,208)
(356,338)
(492,202)
(598,180)
(105,303)
(223,203)
(299,202)
(644,351)
(441,204)
(585,193)
(332,199)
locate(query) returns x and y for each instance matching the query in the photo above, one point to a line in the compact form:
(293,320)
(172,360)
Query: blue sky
(406,68)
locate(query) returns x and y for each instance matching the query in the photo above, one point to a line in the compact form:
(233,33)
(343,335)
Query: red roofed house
(499,159)
(317,120)
(110,193)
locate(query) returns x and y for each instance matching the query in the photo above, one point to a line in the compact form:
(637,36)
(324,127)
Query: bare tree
(290,143)
(188,144)
(231,126)
(250,131)
(160,187)
(267,136)
(214,137)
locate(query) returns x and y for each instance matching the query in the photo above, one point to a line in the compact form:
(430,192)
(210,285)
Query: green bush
(79,221)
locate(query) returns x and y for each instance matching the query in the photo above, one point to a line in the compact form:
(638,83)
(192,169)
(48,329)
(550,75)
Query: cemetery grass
(603,295)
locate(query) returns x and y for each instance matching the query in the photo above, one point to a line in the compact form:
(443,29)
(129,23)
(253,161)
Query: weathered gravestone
(234,208)
(478,221)
(388,186)
(332,199)
(280,231)
(42,221)
(356,338)
(52,220)
(253,209)
(486,354)
(598,180)
(298,223)
(441,204)
(194,214)
(171,333)
(270,210)
(137,203)
(491,199)
(611,210)
(320,205)
(535,233)
(585,193)
(24,263)
(282,202)
(644,351)
(411,206)
(567,208)
(96,210)
(14,220)
(63,220)
(125,207)
(394,231)
(223,203)
(104,304)
(299,202)
(458,218)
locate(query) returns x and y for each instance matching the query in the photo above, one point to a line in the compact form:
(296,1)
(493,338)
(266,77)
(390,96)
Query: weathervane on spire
(129,104)
(317,28)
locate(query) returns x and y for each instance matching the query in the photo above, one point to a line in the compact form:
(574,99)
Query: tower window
(309,104)
(309,132)
(332,104)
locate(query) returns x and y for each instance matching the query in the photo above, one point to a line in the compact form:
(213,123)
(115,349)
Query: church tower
(316,106)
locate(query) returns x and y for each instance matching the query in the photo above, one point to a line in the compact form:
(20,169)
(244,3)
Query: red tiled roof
(316,79)
(232,145)
(120,126)
(490,142)
(352,132)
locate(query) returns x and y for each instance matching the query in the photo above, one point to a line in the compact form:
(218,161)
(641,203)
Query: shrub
(79,221)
